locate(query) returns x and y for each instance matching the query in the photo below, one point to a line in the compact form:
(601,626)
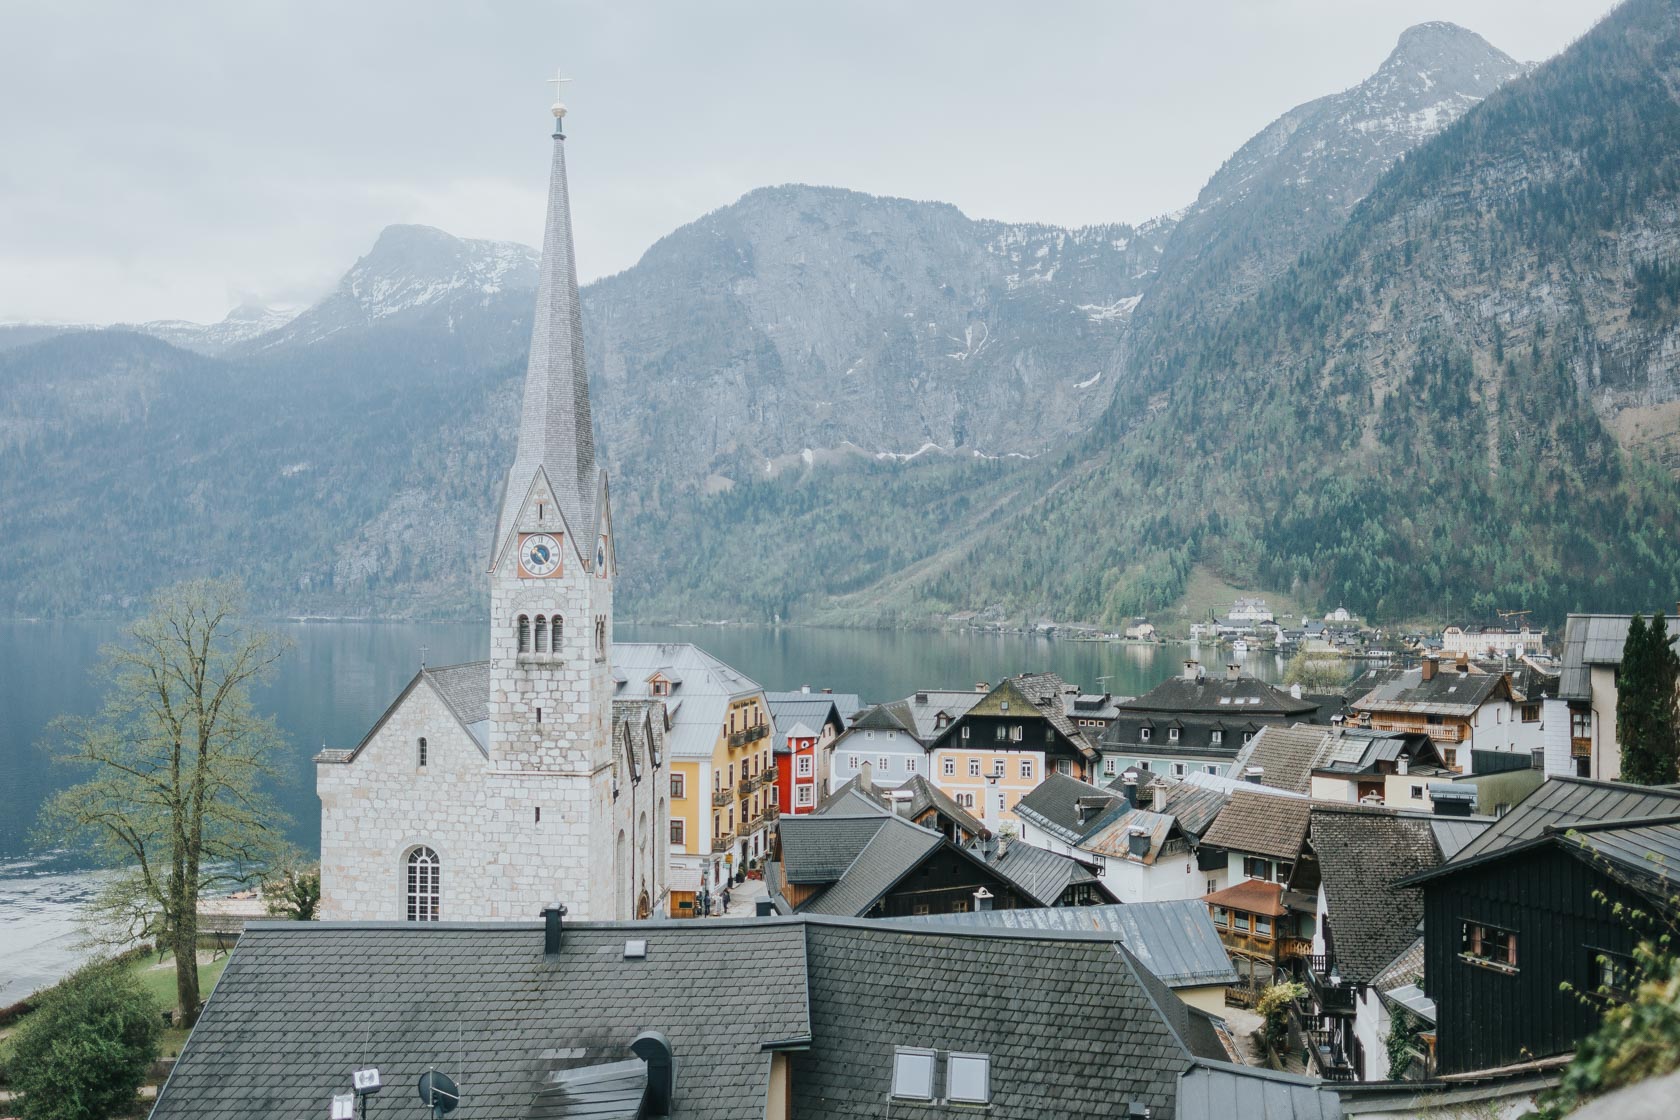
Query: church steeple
(556,436)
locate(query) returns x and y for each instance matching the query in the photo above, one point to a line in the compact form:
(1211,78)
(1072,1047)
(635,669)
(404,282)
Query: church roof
(556,434)
(464,690)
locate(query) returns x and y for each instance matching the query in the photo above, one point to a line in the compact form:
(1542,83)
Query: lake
(338,678)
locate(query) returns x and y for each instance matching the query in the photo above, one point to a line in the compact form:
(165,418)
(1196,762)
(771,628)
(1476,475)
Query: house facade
(1005,744)
(1461,707)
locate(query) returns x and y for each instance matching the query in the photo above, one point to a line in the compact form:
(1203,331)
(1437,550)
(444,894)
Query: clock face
(539,554)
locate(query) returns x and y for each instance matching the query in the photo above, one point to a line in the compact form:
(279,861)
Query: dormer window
(1172,734)
(1216,737)
(1143,735)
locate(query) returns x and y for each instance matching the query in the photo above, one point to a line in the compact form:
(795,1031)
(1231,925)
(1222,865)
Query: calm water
(338,677)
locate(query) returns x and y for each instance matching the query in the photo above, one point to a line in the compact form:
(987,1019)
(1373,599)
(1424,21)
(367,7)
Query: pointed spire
(555,431)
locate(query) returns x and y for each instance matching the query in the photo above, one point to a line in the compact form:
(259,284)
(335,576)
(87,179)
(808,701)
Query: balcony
(1580,747)
(721,843)
(720,798)
(1329,997)
(768,778)
(751,735)
(772,811)
(1290,948)
(745,786)
(1324,1050)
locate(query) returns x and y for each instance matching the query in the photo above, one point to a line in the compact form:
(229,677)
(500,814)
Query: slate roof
(1029,696)
(814,707)
(1407,968)
(1053,805)
(1262,824)
(924,795)
(464,690)
(1195,734)
(700,695)
(882,717)
(1043,875)
(1048,692)
(851,799)
(1193,805)
(920,711)
(1217,695)
(819,848)
(895,849)
(302,1003)
(1363,853)
(1175,940)
(874,989)
(1448,693)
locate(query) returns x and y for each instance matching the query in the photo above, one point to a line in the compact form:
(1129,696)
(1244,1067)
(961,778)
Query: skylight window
(913,1073)
(1224,699)
(968,1078)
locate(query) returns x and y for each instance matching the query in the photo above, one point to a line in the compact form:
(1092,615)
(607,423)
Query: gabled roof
(853,800)
(1594,639)
(1558,803)
(1029,696)
(1285,755)
(1111,836)
(1218,695)
(1448,693)
(894,851)
(881,717)
(813,709)
(924,795)
(819,849)
(483,1004)
(1275,827)
(464,690)
(1363,853)
(1256,896)
(1195,806)
(1176,941)
(921,711)
(1211,1090)
(1055,806)
(1043,875)
(699,705)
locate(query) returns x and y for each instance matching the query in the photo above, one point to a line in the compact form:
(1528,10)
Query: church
(490,790)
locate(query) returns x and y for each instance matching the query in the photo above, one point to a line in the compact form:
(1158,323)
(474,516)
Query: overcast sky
(171,160)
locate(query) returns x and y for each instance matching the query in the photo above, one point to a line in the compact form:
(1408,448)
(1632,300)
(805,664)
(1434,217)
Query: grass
(159,982)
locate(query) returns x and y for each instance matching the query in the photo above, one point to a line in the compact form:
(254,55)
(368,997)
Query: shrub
(86,1048)
(1274,1008)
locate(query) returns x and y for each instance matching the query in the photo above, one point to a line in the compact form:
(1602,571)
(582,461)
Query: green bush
(85,1050)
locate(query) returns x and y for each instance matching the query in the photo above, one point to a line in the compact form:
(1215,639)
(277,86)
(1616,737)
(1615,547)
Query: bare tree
(175,759)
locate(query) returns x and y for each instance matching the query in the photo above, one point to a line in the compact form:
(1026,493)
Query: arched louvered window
(542,634)
(555,633)
(425,893)
(422,750)
(524,634)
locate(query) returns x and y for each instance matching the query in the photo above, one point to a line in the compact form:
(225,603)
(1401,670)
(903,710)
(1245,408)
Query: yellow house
(721,763)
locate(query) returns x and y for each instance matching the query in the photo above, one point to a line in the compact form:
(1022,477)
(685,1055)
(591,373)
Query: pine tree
(1645,704)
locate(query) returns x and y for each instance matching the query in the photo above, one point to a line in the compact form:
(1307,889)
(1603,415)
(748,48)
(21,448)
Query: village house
(1004,745)
(1268,915)
(1464,709)
(826,714)
(1347,764)
(722,771)
(1091,712)
(1492,641)
(553,1018)
(1196,722)
(1540,900)
(918,801)
(1587,695)
(1367,950)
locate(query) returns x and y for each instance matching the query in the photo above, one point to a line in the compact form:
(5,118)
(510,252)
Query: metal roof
(1223,1091)
(703,688)
(1042,874)
(1588,640)
(1175,940)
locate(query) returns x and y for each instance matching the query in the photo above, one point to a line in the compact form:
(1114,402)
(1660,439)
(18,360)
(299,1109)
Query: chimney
(655,1049)
(1430,664)
(1128,789)
(982,686)
(866,777)
(982,899)
(552,914)
(1463,662)
(1137,841)
(1192,670)
(1253,774)
(806,689)
(1295,691)
(828,692)
(1233,671)
(1402,765)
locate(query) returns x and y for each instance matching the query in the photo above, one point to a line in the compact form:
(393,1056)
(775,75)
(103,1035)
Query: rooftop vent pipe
(552,914)
(655,1049)
(1254,774)
(1137,841)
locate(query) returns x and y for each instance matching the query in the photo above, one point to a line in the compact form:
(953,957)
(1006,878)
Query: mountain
(419,278)
(243,323)
(1296,181)
(1437,376)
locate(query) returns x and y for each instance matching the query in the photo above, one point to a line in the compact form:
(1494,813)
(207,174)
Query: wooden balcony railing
(751,735)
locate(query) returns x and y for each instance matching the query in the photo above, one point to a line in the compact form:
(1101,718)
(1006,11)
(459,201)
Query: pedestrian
(726,900)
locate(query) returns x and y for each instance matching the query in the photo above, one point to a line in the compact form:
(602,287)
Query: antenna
(439,1093)
(424,650)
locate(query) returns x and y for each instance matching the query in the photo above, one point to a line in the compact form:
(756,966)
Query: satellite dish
(438,1092)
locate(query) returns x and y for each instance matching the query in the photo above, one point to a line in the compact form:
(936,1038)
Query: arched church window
(542,634)
(422,750)
(524,634)
(424,885)
(555,628)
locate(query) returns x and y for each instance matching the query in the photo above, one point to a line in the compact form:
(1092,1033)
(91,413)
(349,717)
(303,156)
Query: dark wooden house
(1529,906)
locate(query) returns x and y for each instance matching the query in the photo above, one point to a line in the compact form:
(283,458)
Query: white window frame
(971,1065)
(949,766)
(802,766)
(804,796)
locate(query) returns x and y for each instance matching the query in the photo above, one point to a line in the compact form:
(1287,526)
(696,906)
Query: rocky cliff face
(804,320)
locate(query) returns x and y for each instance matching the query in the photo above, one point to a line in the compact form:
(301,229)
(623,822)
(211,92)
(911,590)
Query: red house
(796,770)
